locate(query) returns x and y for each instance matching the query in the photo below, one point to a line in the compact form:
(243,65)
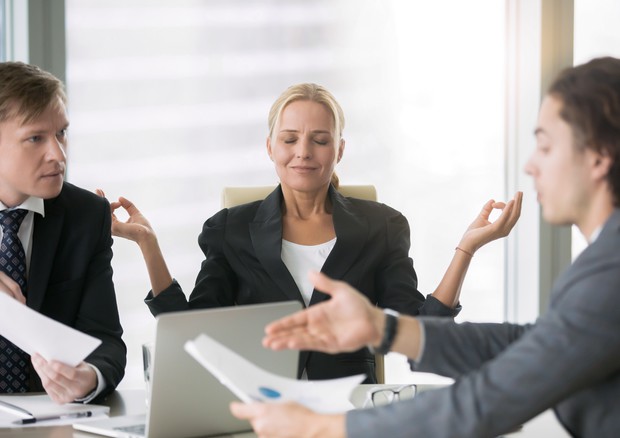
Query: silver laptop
(185,399)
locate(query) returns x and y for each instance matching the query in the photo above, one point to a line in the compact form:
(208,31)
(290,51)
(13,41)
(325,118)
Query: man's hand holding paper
(57,351)
(251,383)
(11,288)
(62,382)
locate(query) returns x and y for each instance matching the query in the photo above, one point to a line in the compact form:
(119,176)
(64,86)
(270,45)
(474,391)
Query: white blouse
(301,259)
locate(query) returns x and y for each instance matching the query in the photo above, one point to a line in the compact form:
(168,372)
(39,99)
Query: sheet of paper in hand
(251,383)
(36,333)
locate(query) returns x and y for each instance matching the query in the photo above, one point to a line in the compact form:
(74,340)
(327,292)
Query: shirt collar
(595,234)
(32,203)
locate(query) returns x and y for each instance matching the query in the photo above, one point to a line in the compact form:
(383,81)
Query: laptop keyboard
(137,429)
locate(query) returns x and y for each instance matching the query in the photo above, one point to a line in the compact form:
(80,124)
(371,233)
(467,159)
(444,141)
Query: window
(169,101)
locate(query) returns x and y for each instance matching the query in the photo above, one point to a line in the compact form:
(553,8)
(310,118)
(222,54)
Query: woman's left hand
(482,230)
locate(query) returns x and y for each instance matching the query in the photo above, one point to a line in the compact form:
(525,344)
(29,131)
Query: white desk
(132,402)
(124,402)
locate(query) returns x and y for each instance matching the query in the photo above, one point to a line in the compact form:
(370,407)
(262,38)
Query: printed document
(36,333)
(251,383)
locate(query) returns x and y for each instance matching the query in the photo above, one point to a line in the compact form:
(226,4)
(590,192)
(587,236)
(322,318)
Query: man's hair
(590,96)
(26,91)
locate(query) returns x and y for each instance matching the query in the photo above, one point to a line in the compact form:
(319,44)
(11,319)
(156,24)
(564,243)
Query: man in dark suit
(56,243)
(569,360)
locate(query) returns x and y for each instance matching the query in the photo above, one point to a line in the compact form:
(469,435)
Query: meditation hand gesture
(136,228)
(482,231)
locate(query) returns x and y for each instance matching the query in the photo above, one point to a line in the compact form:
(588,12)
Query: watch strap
(389,332)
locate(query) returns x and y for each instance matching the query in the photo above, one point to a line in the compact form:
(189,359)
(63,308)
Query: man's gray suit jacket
(569,360)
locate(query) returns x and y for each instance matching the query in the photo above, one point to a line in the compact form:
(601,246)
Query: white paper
(36,333)
(251,383)
(43,406)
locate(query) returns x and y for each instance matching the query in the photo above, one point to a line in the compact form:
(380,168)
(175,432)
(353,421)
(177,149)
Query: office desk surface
(132,401)
(120,402)
(123,402)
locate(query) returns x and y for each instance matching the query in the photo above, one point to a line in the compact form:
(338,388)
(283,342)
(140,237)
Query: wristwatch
(389,333)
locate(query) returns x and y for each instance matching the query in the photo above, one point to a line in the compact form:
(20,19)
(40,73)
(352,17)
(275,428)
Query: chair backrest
(232,196)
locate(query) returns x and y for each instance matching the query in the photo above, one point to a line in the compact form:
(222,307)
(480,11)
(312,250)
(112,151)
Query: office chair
(232,196)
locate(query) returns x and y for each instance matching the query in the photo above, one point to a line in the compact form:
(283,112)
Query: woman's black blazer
(243,265)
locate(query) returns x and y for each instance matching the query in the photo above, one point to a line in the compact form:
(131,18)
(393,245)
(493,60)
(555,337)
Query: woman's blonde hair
(314,93)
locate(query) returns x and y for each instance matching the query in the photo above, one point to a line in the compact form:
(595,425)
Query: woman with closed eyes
(262,251)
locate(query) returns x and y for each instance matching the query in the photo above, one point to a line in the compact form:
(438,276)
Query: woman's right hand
(136,227)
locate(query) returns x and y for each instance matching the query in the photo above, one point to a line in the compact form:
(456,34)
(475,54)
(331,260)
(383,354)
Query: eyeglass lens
(386,396)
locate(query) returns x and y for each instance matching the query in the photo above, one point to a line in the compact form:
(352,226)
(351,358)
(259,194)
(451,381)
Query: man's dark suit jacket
(70,276)
(243,265)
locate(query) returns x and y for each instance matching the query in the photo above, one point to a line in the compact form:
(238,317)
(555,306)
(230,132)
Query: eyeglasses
(385,395)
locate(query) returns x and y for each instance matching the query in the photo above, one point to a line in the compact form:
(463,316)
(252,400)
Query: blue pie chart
(268,392)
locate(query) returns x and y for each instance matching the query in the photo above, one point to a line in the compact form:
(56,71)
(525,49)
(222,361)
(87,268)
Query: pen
(54,417)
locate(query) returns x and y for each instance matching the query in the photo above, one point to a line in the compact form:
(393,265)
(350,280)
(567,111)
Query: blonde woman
(262,251)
